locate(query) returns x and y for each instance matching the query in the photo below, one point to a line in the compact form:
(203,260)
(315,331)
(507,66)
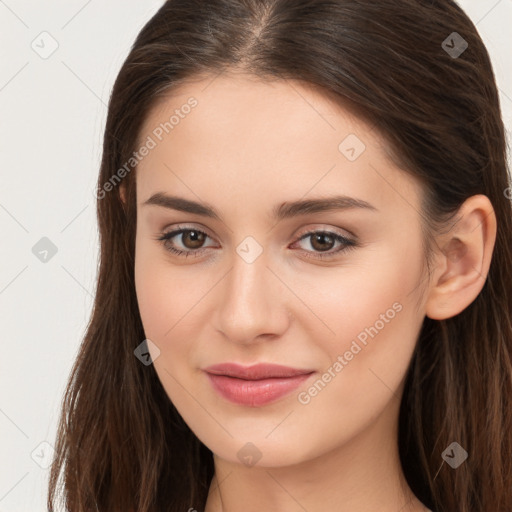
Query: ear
(464,259)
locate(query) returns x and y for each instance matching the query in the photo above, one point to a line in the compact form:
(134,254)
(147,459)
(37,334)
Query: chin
(256,451)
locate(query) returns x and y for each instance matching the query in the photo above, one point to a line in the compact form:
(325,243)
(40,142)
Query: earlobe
(464,259)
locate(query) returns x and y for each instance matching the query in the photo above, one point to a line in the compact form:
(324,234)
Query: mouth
(256,385)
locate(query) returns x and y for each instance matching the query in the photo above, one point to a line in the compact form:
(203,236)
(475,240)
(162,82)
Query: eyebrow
(285,210)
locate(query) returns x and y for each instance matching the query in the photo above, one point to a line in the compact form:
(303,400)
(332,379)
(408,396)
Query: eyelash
(348,244)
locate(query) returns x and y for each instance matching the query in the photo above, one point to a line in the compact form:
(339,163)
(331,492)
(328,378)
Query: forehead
(244,101)
(245,137)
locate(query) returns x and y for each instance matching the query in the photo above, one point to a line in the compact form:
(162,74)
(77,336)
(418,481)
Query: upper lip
(256,371)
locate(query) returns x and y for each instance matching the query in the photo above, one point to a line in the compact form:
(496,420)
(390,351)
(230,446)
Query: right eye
(192,237)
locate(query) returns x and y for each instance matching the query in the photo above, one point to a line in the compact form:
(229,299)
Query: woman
(303,300)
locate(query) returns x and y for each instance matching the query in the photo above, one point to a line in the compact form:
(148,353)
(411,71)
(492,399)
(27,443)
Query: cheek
(363,299)
(170,300)
(166,297)
(160,305)
(156,293)
(375,336)
(373,323)
(376,321)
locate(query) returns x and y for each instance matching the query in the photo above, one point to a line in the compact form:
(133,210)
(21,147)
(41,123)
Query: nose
(253,302)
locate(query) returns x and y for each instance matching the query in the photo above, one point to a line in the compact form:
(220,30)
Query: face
(328,290)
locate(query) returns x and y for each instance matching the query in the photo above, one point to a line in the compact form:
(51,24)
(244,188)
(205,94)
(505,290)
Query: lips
(255,385)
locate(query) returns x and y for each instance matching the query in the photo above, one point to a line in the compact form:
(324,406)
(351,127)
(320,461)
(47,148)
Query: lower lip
(255,393)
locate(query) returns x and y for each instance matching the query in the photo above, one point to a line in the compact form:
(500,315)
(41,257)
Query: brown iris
(319,238)
(196,237)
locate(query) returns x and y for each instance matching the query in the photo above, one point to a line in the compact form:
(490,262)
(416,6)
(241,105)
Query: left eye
(192,241)
(319,240)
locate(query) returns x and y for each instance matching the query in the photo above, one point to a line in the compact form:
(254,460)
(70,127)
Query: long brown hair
(121,445)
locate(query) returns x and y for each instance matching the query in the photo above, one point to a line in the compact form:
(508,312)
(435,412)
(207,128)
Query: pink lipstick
(255,385)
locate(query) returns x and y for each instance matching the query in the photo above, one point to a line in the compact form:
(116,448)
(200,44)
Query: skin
(247,146)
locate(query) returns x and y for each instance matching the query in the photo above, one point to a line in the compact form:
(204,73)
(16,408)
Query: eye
(192,241)
(324,241)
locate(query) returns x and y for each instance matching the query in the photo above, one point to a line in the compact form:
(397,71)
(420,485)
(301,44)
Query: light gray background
(52,115)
